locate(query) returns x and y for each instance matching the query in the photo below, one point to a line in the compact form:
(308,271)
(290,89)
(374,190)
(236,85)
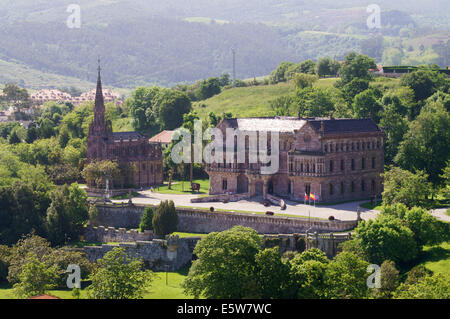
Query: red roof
(44,297)
(164,137)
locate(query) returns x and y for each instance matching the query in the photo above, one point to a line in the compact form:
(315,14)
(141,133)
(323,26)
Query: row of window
(363,187)
(307,168)
(353,146)
(352,164)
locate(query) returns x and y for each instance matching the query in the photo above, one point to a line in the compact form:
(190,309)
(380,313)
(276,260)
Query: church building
(129,149)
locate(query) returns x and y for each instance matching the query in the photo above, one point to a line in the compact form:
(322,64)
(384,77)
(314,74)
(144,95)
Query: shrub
(165,220)
(146,220)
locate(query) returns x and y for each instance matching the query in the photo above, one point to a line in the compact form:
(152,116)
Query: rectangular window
(353,164)
(342,187)
(331,165)
(331,189)
(363,163)
(373,162)
(363,186)
(224,184)
(342,165)
(352,187)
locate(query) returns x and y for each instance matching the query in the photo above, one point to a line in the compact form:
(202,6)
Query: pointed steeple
(99,102)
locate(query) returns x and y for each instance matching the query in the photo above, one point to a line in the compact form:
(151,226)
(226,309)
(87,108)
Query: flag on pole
(306,197)
(312,196)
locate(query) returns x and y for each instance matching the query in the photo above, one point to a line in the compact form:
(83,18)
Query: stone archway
(242,184)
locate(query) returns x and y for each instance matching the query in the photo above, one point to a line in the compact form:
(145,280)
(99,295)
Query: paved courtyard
(345,211)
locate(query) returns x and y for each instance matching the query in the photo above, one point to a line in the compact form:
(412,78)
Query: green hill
(249,101)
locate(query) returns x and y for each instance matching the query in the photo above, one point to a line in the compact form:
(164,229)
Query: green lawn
(437,258)
(177,187)
(185,235)
(244,101)
(158,290)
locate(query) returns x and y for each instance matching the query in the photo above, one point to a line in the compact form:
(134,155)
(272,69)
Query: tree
(165,220)
(208,88)
(310,254)
(427,229)
(35,278)
(356,66)
(225,267)
(425,145)
(119,277)
(345,277)
(423,82)
(436,286)
(387,238)
(303,80)
(61,258)
(366,105)
(279,74)
(67,214)
(313,102)
(281,105)
(389,280)
(401,186)
(353,88)
(272,274)
(146,220)
(15,96)
(96,171)
(14,137)
(327,67)
(188,123)
(142,107)
(308,273)
(30,245)
(172,105)
(394,127)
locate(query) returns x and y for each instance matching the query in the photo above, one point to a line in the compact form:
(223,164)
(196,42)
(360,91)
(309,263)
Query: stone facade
(129,149)
(203,221)
(335,159)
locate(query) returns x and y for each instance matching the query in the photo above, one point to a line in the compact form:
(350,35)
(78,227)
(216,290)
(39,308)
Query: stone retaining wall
(111,234)
(203,221)
(158,254)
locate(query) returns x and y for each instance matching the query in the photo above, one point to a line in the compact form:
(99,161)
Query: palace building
(335,159)
(129,149)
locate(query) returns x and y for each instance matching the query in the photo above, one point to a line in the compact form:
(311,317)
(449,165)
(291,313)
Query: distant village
(46,95)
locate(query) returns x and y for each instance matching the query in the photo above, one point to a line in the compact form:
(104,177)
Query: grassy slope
(244,101)
(249,101)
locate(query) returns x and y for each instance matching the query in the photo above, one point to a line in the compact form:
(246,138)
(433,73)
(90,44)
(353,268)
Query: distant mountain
(144,42)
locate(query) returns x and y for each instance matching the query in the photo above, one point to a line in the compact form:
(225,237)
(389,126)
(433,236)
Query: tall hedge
(146,219)
(165,220)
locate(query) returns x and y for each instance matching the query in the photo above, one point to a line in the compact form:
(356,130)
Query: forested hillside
(153,42)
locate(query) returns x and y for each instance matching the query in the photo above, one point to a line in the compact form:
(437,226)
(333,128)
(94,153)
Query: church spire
(99,102)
